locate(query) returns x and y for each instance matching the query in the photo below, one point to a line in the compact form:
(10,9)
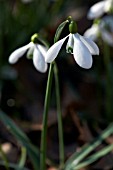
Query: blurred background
(22,87)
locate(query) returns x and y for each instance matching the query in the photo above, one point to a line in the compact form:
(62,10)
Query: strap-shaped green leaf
(32,151)
(12,165)
(79,156)
(93,157)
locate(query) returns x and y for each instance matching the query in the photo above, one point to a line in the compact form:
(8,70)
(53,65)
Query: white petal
(39,61)
(92,47)
(96,10)
(13,58)
(92,32)
(107,37)
(42,49)
(108,5)
(81,54)
(54,50)
(70,42)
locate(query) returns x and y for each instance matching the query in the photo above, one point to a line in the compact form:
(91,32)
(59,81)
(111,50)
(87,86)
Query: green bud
(34,38)
(73,27)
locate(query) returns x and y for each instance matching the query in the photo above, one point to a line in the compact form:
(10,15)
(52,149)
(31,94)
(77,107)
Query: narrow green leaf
(59,30)
(93,157)
(32,151)
(77,157)
(12,165)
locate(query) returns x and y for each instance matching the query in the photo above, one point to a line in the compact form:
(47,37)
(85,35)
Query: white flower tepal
(18,53)
(39,53)
(82,48)
(92,32)
(98,9)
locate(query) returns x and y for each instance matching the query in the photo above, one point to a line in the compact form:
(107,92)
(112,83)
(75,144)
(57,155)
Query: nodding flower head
(93,32)
(103,29)
(82,48)
(98,9)
(39,53)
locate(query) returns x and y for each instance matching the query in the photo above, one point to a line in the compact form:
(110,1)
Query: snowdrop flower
(106,27)
(98,9)
(82,48)
(39,53)
(103,29)
(92,32)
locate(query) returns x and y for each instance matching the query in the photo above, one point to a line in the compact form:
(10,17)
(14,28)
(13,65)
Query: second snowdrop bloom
(39,53)
(103,29)
(82,48)
(106,27)
(98,9)
(93,32)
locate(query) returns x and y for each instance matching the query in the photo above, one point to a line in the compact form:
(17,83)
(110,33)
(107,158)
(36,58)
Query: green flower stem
(108,82)
(45,118)
(22,158)
(60,126)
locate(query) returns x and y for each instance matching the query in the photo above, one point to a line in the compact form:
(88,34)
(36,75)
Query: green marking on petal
(69,50)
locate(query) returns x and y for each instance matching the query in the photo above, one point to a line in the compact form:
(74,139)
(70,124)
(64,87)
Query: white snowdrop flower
(106,29)
(103,29)
(39,53)
(98,9)
(82,48)
(92,32)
